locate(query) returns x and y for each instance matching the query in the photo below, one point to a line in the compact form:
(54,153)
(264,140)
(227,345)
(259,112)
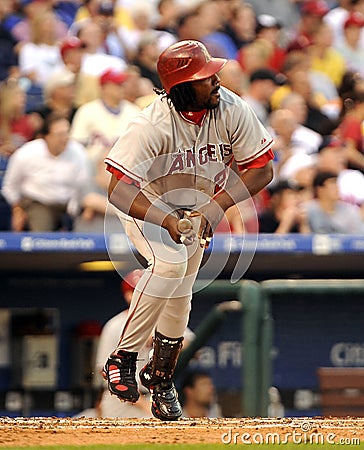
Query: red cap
(113,76)
(355,19)
(131,279)
(315,7)
(70,43)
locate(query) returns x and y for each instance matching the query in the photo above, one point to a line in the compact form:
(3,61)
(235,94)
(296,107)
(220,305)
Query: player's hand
(211,215)
(179,230)
(188,234)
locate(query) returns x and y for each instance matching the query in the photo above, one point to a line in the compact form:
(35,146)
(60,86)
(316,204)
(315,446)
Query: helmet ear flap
(186,61)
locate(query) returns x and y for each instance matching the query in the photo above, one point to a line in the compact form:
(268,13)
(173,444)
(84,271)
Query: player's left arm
(254,179)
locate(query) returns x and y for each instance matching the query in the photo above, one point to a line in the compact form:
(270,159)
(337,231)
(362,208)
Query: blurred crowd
(75,72)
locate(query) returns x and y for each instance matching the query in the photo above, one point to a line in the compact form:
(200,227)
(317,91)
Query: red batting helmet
(186,61)
(130,280)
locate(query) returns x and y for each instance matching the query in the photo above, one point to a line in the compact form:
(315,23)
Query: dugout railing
(254,305)
(256,337)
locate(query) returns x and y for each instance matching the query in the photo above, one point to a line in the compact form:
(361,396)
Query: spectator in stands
(242,24)
(168,12)
(147,56)
(199,395)
(8,59)
(16,128)
(39,57)
(285,213)
(289,142)
(45,179)
(326,213)
(268,28)
(324,57)
(262,83)
(233,77)
(190,25)
(217,42)
(95,59)
(142,13)
(104,16)
(351,47)
(285,11)
(316,117)
(304,138)
(66,10)
(254,56)
(332,157)
(312,13)
(20,25)
(225,11)
(90,9)
(97,125)
(300,169)
(59,95)
(87,86)
(352,84)
(350,129)
(336,17)
(318,90)
(137,89)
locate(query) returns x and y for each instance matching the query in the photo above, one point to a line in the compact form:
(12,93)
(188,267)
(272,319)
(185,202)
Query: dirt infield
(56,431)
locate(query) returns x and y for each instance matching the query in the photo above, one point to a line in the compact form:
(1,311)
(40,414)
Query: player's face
(207,93)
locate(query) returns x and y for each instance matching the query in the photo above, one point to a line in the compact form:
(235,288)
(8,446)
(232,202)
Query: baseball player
(172,184)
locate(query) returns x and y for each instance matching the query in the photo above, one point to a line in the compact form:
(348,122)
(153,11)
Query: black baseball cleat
(165,404)
(119,371)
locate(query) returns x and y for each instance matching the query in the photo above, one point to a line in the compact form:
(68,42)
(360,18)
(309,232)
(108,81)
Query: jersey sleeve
(134,152)
(259,162)
(249,137)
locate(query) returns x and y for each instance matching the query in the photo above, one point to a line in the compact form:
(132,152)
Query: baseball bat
(184,225)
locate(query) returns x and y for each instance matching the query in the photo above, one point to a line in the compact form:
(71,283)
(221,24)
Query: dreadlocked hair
(182,96)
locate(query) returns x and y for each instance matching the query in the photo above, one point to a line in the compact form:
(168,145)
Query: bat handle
(184,225)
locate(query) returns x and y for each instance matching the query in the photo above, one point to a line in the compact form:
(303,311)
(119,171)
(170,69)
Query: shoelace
(130,364)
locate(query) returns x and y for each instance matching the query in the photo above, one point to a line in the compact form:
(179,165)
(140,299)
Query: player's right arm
(128,198)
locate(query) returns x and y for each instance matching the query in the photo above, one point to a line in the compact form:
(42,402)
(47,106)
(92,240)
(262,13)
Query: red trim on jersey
(121,176)
(195,117)
(133,311)
(122,169)
(259,162)
(251,158)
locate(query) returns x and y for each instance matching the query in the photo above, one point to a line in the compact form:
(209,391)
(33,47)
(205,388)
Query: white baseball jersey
(157,150)
(98,128)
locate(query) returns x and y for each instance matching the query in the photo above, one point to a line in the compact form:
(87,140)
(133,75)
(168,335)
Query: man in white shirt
(45,178)
(332,157)
(327,213)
